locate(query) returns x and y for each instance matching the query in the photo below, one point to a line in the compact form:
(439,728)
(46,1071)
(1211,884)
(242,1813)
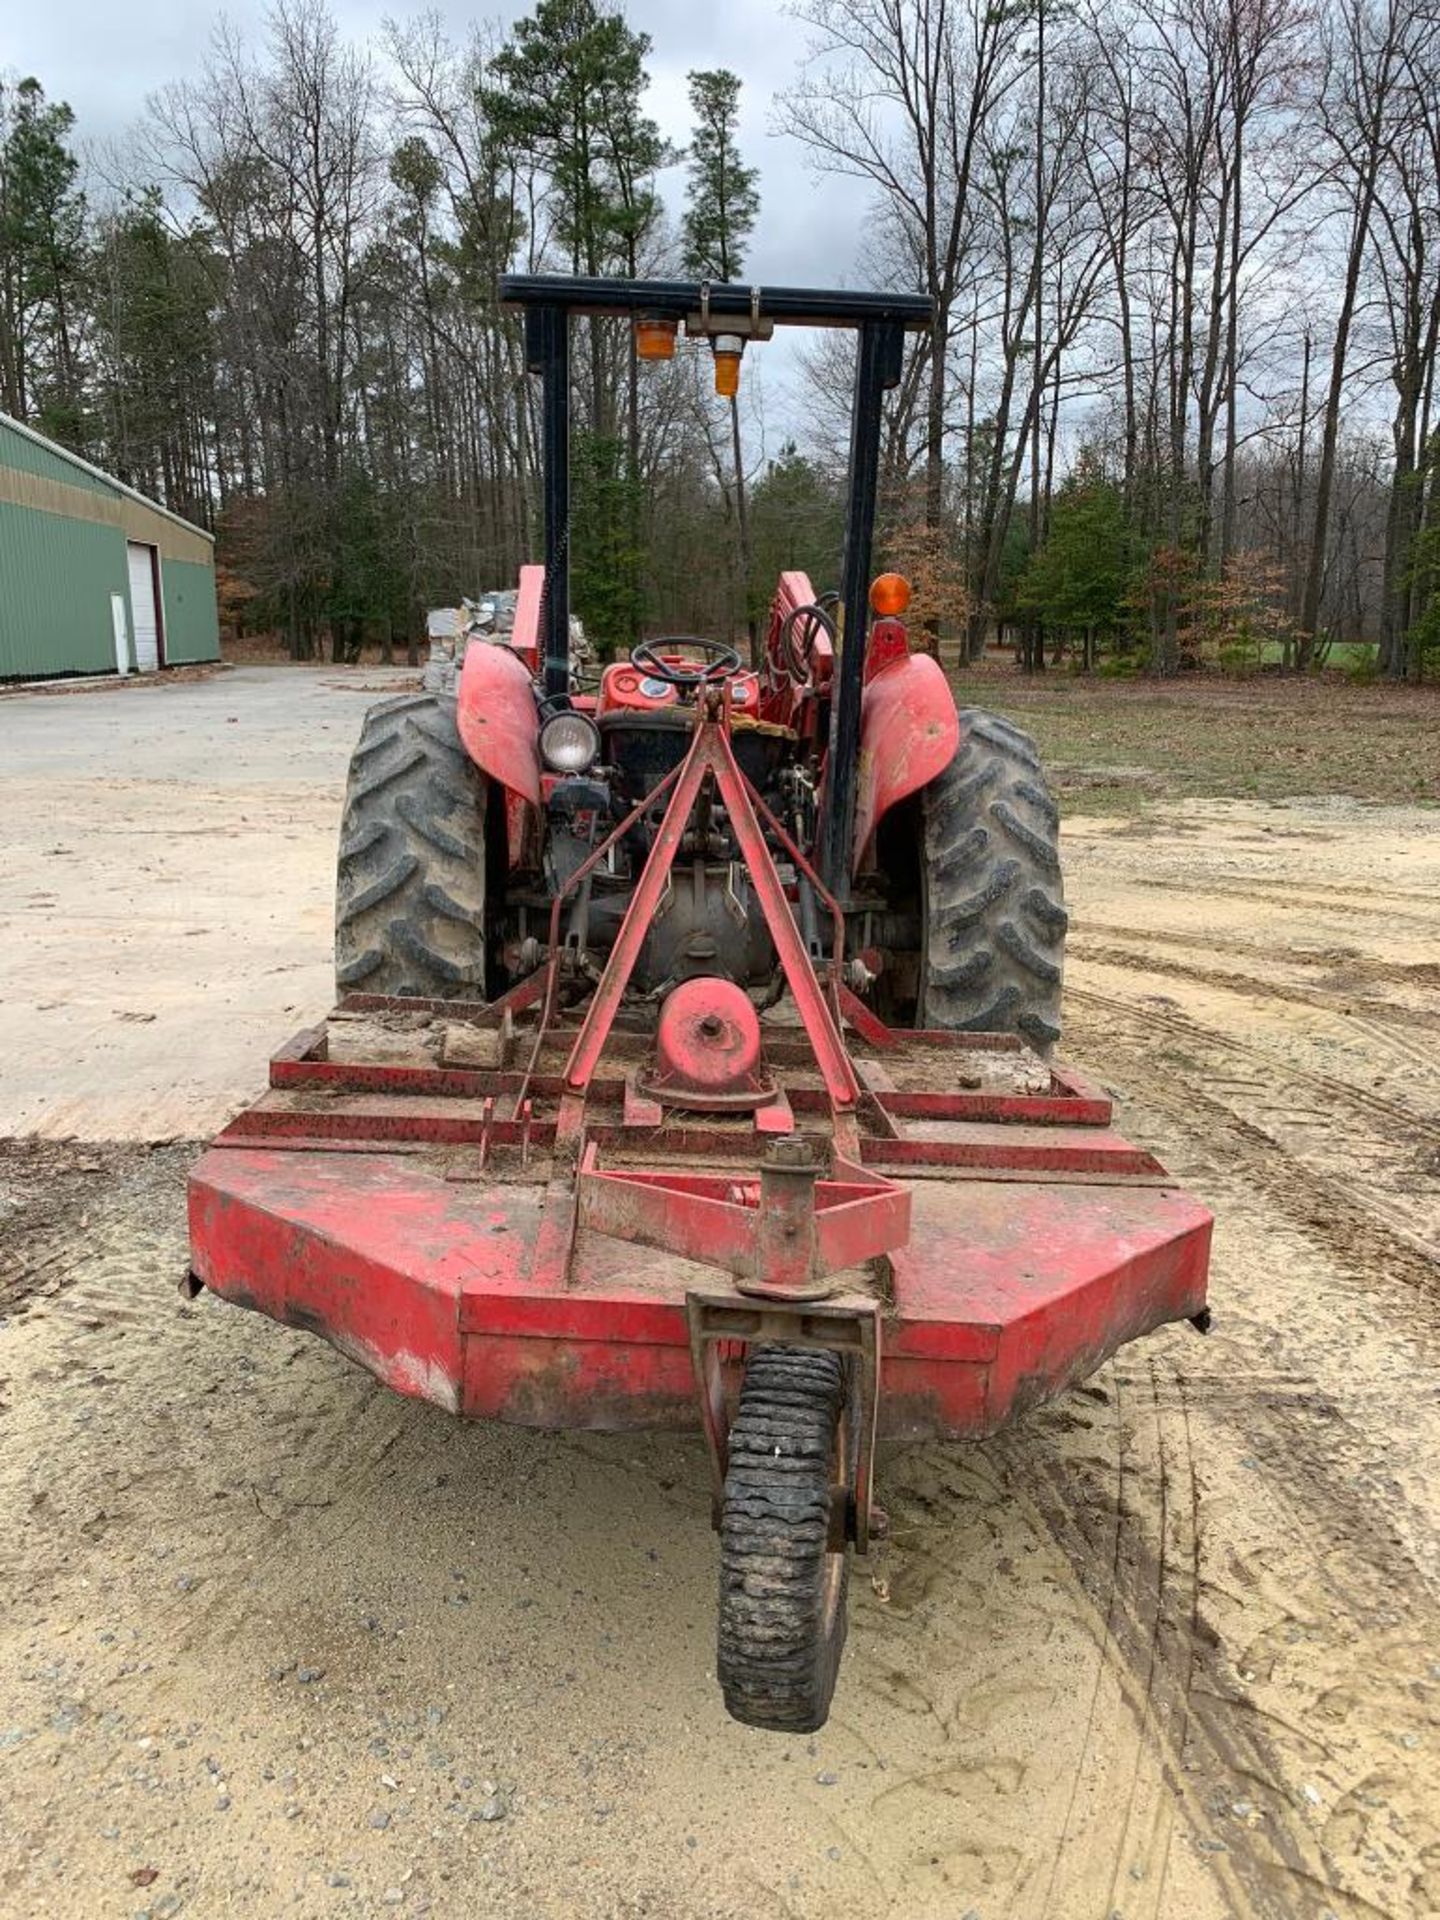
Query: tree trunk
(1325,477)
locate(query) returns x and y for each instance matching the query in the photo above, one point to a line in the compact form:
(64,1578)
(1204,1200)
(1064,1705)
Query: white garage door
(143,610)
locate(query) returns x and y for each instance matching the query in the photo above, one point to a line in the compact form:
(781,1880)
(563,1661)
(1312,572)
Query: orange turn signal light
(890,595)
(654,337)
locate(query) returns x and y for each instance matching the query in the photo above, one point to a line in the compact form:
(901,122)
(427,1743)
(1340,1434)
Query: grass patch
(1114,745)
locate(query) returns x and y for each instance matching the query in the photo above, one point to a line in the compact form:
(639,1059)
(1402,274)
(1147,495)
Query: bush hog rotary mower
(691,1058)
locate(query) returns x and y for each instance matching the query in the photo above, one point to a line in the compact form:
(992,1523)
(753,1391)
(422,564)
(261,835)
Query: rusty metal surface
(1007,1291)
(408,1213)
(786,1233)
(707,1050)
(515,1236)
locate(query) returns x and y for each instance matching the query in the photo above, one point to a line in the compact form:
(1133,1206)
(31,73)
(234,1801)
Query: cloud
(105,60)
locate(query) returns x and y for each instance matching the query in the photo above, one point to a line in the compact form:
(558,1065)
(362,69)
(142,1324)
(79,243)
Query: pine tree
(42,263)
(566,96)
(1077,580)
(570,83)
(723,202)
(721,209)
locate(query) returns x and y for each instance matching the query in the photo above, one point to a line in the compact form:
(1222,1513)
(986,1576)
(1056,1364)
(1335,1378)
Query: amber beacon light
(890,595)
(654,337)
(728,348)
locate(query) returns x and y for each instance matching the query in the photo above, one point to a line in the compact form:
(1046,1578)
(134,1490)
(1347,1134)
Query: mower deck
(386,1194)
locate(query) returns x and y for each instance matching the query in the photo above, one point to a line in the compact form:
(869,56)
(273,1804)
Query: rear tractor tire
(994,910)
(410,887)
(782,1587)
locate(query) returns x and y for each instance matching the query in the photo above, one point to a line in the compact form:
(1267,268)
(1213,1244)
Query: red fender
(496,717)
(909,732)
(497,721)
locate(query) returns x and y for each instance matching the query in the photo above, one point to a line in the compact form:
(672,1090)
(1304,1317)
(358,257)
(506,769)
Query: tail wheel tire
(410,888)
(782,1585)
(994,906)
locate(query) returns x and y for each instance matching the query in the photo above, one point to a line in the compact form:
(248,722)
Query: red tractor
(692,1055)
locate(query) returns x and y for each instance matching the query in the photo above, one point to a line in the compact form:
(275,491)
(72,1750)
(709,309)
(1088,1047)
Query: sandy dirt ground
(273,1641)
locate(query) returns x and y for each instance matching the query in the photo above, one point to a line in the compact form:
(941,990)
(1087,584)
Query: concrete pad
(167,872)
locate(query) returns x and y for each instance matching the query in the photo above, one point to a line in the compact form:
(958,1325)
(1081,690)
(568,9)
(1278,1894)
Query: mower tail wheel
(410,887)
(995,916)
(782,1585)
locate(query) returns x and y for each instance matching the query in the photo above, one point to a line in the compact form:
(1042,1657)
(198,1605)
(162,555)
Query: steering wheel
(719,661)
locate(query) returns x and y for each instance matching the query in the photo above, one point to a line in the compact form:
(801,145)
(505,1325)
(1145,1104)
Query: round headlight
(569,742)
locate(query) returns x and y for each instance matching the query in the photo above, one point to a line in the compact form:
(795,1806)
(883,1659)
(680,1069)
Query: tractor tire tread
(410,883)
(1026,954)
(358,968)
(434,964)
(994,908)
(958,856)
(391,770)
(412,810)
(778,1641)
(369,836)
(389,880)
(1038,842)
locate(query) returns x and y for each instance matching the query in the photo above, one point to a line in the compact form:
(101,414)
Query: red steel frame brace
(781,1235)
(710,753)
(784,1234)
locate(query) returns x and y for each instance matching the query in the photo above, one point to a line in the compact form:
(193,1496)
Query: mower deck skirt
(1015,1281)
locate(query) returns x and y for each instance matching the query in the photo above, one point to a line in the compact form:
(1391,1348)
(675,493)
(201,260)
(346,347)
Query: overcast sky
(105,59)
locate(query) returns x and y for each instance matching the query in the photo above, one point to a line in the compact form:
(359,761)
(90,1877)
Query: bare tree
(1368,43)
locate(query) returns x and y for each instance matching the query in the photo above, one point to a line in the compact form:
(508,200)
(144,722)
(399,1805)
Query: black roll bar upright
(547,352)
(878,362)
(881,321)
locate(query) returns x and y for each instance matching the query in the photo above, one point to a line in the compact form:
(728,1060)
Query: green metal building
(94,578)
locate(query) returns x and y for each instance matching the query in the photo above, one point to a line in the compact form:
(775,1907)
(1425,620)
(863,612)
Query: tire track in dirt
(107,1272)
(1360,1554)
(47,1192)
(1253,1163)
(1167,1740)
(1275,892)
(1273,1068)
(1221,1752)
(1130,1864)
(1284,1114)
(1182,1704)
(1360,1248)
(1129,1530)
(1141,958)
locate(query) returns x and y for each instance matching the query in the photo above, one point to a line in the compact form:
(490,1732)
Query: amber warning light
(654,337)
(890,595)
(727,348)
